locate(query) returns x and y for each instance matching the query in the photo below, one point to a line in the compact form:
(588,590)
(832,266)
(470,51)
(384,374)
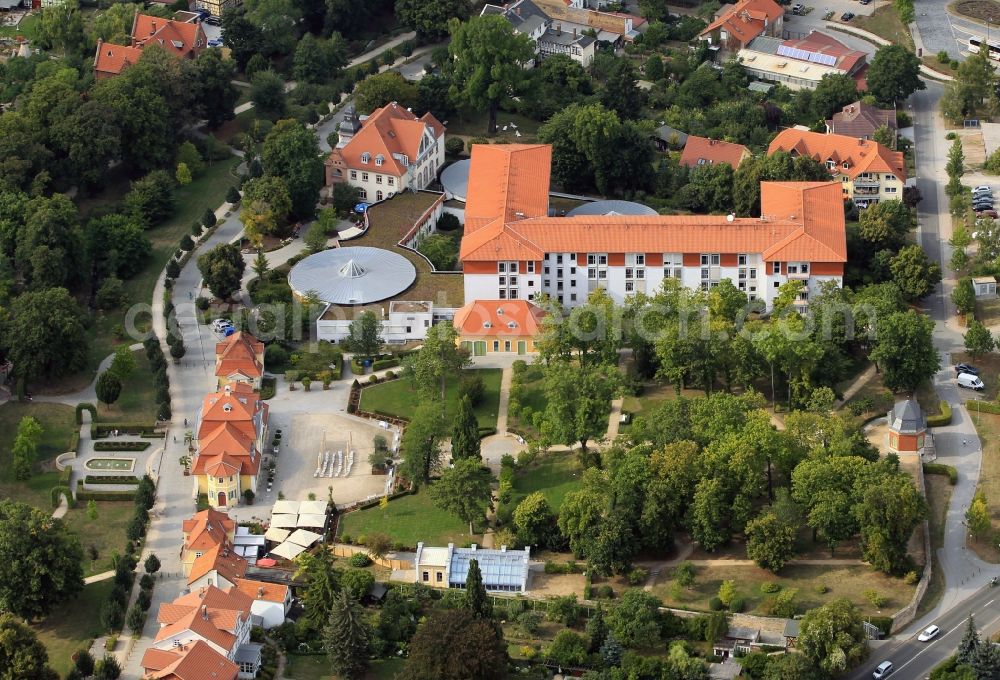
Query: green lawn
(137,402)
(474,124)
(554,474)
(408,520)
(58,425)
(106,533)
(317,667)
(73,625)
(530,396)
(28,27)
(397,397)
(884,22)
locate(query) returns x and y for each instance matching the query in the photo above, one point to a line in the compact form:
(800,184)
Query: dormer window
(830,164)
(227,407)
(487,324)
(405,160)
(846,165)
(511,324)
(379,159)
(365,157)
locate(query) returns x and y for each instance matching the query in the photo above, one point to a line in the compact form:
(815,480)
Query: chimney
(574,33)
(260,592)
(204,612)
(152,29)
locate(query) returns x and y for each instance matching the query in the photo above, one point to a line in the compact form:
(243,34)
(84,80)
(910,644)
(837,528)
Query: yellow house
(498,326)
(204,531)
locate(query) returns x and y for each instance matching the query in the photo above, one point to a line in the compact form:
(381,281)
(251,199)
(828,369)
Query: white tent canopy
(288,550)
(277,535)
(284,507)
(312,508)
(311,521)
(251,540)
(304,538)
(284,521)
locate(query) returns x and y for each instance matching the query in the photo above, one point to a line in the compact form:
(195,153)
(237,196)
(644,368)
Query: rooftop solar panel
(825,59)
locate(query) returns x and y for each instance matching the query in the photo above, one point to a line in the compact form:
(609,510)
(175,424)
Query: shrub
(769,587)
(684,573)
(715,604)
(942,469)
(360,560)
(201,302)
(529,622)
(454,146)
(736,605)
(209,219)
(186,243)
(173,269)
(911,578)
(85,406)
(147,582)
(877,600)
(163,411)
(605,592)
(474,388)
(638,576)
(942,419)
(950,136)
(196,229)
(233,195)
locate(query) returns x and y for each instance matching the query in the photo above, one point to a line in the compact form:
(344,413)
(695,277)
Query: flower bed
(120,446)
(110,479)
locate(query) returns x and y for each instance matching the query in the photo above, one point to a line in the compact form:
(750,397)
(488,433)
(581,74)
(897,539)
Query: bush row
(942,419)
(111,479)
(86,495)
(85,406)
(101,430)
(980,406)
(120,446)
(941,469)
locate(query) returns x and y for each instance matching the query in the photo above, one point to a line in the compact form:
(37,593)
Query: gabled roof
(207,529)
(111,58)
(236,403)
(861,155)
(225,438)
(389,132)
(821,237)
(222,559)
(707,151)
(746,20)
(507,181)
(238,354)
(494,317)
(177,37)
(262,591)
(196,661)
(861,120)
(220,466)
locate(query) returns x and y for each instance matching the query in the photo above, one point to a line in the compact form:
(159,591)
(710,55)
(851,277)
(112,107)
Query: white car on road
(928,633)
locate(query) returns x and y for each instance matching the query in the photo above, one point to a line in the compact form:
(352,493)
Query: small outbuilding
(907,427)
(985,286)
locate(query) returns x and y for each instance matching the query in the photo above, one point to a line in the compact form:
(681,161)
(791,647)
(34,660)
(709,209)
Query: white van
(970,382)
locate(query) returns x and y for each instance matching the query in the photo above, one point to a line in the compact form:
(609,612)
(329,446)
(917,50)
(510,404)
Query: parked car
(883,670)
(847,16)
(928,633)
(966,368)
(798,9)
(988,202)
(983,188)
(968,381)
(988,212)
(220,325)
(982,207)
(213,21)
(865,2)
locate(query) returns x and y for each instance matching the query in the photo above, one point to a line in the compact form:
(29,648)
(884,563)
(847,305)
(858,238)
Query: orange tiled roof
(272,592)
(861,155)
(197,661)
(507,181)
(111,58)
(389,130)
(178,38)
(473,317)
(206,529)
(238,354)
(221,559)
(702,150)
(226,437)
(220,466)
(784,203)
(745,21)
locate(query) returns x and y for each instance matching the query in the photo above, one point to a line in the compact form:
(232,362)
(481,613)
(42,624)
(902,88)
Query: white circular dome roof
(353,276)
(611,207)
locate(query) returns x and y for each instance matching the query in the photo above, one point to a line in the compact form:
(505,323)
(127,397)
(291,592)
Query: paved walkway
(505,380)
(855,386)
(87,394)
(103,576)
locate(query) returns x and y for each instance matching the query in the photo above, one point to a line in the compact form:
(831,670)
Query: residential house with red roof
(219,566)
(231,431)
(271,601)
(801,63)
(193,661)
(204,531)
(521,252)
(706,151)
(239,359)
(867,171)
(493,326)
(183,39)
(736,25)
(387,152)
(861,120)
(218,618)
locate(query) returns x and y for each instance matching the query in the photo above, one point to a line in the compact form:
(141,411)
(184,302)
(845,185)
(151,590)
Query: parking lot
(814,20)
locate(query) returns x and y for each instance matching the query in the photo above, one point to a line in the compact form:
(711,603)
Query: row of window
(363,193)
(511,267)
(389,179)
(380,159)
(600,274)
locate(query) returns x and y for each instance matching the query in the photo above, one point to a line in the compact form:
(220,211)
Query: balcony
(866,182)
(798,276)
(866,191)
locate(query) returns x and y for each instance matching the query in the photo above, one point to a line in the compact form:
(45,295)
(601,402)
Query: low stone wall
(905,616)
(63,458)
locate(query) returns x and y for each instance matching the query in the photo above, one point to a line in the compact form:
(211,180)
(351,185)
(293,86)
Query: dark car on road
(966,368)
(847,16)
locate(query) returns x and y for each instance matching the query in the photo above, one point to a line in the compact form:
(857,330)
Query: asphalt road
(915,660)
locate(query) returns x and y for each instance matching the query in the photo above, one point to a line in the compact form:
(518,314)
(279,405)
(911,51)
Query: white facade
(406,321)
(375,184)
(270,614)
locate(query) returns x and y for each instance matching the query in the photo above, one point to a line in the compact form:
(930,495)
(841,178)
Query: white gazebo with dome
(352,276)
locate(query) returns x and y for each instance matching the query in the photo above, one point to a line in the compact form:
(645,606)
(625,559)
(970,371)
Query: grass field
(841,581)
(317,667)
(938,497)
(980,10)
(408,520)
(988,426)
(27,28)
(554,474)
(57,431)
(73,626)
(137,402)
(988,311)
(475,125)
(397,398)
(885,23)
(106,533)
(532,400)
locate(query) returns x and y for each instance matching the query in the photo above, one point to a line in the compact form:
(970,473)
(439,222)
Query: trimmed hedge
(100,430)
(153,435)
(941,469)
(85,406)
(58,491)
(942,419)
(382,364)
(883,623)
(980,406)
(121,446)
(111,479)
(85,495)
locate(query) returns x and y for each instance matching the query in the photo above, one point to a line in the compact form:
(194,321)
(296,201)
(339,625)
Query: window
(572,271)
(558,259)
(531,284)
(673,265)
(501,267)
(506,345)
(197,554)
(559,285)
(232,494)
(221,480)
(704,273)
(378,179)
(572,283)
(592,272)
(438,576)
(365,157)
(741,260)
(830,164)
(248,667)
(572,296)
(777,285)
(502,281)
(513,281)
(379,195)
(775,267)
(629,286)
(496,345)
(846,165)
(804,267)
(391,180)
(354,174)
(710,259)
(890,190)
(363,193)
(426,577)
(546,270)
(531,266)
(503,294)
(512,267)
(635,259)
(513,293)
(379,159)
(364,176)
(629,273)
(545,283)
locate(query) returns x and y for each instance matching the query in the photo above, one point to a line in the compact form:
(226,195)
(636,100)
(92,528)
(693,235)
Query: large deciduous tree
(464,490)
(489,58)
(420,446)
(380,89)
(347,637)
(888,512)
(39,574)
(578,402)
(267,92)
(894,74)
(429,18)
(46,337)
(978,339)
(452,644)
(108,388)
(222,268)
(770,541)
(904,350)
(25,448)
(21,653)
(914,273)
(213,84)
(292,153)
(438,359)
(364,336)
(832,636)
(465,442)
